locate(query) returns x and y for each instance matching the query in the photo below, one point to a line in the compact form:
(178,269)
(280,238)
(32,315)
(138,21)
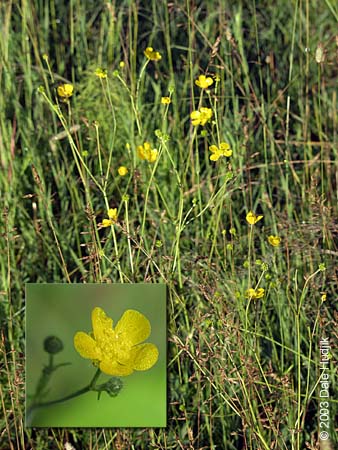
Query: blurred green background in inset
(64,309)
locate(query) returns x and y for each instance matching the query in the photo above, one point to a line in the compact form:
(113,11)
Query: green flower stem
(214,108)
(126,199)
(133,105)
(44,378)
(95,378)
(140,78)
(98,149)
(160,150)
(89,387)
(249,255)
(249,286)
(110,102)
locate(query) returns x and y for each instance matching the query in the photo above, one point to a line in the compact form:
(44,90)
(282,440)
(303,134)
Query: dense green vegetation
(243,366)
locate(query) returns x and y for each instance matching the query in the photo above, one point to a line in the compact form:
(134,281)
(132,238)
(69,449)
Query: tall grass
(242,373)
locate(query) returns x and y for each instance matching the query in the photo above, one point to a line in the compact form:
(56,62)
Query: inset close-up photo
(96,355)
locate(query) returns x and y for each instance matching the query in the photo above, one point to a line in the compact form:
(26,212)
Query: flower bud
(52,345)
(112,387)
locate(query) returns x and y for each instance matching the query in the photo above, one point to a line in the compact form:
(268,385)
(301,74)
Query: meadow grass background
(241,374)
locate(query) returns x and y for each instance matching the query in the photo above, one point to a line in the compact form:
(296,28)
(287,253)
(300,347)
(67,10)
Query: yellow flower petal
(204,115)
(224,146)
(140,152)
(151,54)
(166,100)
(250,293)
(102,325)
(111,367)
(101,73)
(145,356)
(252,218)
(204,82)
(146,152)
(195,115)
(213,148)
(274,240)
(65,90)
(122,171)
(107,222)
(214,157)
(153,155)
(259,293)
(133,327)
(254,293)
(225,149)
(86,346)
(206,111)
(112,214)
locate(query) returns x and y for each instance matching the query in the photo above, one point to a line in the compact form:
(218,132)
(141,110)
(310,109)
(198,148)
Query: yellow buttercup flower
(204,82)
(118,351)
(152,55)
(254,293)
(122,171)
(101,73)
(201,117)
(65,90)
(274,240)
(223,150)
(112,214)
(147,153)
(252,218)
(165,100)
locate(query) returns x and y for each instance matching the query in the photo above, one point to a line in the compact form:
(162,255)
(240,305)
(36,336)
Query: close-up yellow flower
(152,55)
(65,90)
(201,117)
(119,350)
(252,218)
(101,73)
(223,150)
(165,100)
(204,82)
(254,293)
(147,153)
(122,171)
(274,240)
